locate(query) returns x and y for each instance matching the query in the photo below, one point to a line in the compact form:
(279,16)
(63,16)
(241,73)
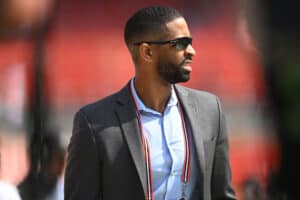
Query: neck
(153,94)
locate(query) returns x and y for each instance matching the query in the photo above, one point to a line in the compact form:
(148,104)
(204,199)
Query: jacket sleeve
(221,175)
(82,177)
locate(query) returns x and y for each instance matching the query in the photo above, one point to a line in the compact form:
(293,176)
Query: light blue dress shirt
(164,133)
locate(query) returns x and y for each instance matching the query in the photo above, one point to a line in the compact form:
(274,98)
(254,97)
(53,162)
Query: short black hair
(147,21)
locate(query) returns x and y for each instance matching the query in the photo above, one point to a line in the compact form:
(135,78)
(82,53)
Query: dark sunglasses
(178,43)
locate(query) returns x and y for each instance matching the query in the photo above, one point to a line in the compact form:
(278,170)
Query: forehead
(177,28)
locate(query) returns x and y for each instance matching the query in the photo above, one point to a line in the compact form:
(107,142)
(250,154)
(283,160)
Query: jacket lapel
(193,115)
(129,125)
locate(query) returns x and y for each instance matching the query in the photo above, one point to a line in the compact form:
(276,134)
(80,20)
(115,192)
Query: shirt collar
(142,107)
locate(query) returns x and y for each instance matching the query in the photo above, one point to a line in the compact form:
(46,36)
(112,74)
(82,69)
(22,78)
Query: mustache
(187,58)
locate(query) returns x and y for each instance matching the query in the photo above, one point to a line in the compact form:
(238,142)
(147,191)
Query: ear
(146,53)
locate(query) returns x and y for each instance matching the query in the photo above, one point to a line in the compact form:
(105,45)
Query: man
(153,139)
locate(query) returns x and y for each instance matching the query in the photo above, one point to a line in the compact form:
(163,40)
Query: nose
(190,50)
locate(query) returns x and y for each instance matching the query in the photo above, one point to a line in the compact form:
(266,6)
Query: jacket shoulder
(197,93)
(103,104)
(108,103)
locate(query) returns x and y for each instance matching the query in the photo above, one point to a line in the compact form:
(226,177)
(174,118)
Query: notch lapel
(192,112)
(129,125)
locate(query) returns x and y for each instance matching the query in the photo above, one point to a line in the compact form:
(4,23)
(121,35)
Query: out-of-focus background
(56,56)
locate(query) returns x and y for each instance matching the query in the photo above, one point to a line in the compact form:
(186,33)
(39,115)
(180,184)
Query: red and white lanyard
(185,177)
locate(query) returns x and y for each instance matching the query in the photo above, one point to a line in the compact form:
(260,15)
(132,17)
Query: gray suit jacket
(105,155)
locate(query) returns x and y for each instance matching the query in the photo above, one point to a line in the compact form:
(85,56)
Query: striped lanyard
(185,177)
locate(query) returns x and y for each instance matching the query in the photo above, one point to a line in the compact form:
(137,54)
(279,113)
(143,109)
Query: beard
(173,73)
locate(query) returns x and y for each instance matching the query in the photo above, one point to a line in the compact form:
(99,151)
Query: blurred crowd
(18,180)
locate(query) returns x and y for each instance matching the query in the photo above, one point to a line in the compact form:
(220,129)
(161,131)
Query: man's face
(173,64)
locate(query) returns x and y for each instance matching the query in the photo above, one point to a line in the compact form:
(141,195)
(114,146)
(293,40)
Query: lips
(187,66)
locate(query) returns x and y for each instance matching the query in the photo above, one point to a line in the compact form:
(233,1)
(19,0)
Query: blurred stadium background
(56,56)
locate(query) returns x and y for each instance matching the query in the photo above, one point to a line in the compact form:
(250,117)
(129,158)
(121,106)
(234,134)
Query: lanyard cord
(188,153)
(185,178)
(146,148)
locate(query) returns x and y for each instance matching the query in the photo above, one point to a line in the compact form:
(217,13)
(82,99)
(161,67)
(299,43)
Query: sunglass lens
(182,43)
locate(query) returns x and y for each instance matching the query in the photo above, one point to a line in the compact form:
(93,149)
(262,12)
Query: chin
(183,79)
